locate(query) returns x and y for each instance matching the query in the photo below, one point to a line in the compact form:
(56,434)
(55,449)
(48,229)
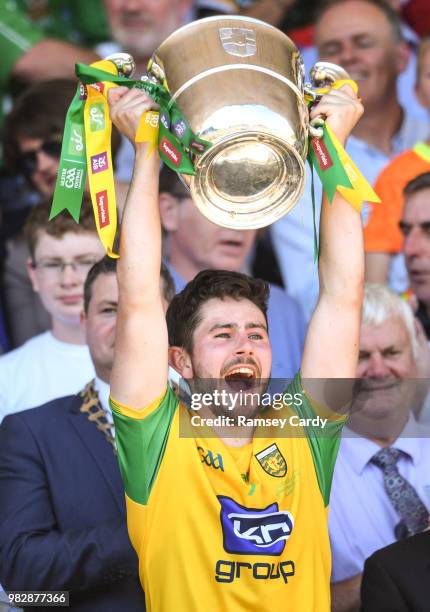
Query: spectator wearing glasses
(32,146)
(56,362)
(32,139)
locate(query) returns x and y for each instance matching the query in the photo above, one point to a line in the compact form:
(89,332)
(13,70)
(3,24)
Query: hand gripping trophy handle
(126,66)
(239,84)
(323,75)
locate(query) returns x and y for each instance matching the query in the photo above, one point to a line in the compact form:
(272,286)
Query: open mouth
(241,378)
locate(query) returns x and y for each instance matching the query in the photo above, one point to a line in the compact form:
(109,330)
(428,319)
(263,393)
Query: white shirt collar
(358,454)
(102,389)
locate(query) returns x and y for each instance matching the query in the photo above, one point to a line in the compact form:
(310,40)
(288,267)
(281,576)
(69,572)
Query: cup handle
(124,62)
(323,75)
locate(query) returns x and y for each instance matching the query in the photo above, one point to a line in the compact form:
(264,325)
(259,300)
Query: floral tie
(402,495)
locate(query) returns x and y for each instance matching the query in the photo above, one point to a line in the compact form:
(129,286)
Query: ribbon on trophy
(336,170)
(86,148)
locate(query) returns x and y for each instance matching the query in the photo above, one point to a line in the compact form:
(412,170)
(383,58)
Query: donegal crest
(272,461)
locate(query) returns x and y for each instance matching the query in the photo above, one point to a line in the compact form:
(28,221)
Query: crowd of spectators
(62,512)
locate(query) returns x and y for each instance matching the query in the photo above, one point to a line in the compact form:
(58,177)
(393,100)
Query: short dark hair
(108,265)
(184,312)
(390,14)
(172,184)
(40,113)
(420,182)
(169,289)
(38,220)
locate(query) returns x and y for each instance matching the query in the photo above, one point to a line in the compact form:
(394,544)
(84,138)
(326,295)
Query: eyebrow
(108,303)
(235,326)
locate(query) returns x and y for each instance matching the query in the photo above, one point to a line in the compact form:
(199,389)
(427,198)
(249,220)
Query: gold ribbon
(98,129)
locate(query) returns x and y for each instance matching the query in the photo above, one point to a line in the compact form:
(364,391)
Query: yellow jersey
(221,528)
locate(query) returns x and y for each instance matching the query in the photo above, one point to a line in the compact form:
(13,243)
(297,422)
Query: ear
(181,361)
(31,271)
(402,56)
(169,212)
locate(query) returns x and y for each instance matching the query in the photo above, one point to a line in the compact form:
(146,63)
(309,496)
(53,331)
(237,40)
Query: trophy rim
(219,18)
(219,208)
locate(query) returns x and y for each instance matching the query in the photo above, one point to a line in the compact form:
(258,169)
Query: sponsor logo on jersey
(272,461)
(229,571)
(211,460)
(251,531)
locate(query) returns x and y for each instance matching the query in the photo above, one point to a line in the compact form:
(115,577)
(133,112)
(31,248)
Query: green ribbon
(72,170)
(322,156)
(325,159)
(181,140)
(176,140)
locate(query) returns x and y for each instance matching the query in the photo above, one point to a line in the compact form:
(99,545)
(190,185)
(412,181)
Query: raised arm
(331,345)
(139,372)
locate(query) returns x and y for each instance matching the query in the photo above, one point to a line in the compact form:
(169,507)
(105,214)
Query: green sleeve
(141,444)
(17,35)
(324,444)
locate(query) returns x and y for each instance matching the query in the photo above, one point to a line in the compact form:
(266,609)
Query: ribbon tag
(360,190)
(86,144)
(98,128)
(147,130)
(336,170)
(69,187)
(325,159)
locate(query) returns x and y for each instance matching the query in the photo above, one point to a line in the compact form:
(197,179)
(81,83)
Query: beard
(142,43)
(229,397)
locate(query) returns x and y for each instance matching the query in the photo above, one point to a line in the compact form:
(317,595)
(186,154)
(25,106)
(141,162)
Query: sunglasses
(28,159)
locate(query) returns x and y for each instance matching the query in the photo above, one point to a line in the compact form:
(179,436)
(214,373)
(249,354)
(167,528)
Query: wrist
(141,150)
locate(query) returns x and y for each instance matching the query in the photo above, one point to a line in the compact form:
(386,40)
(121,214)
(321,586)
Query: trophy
(239,82)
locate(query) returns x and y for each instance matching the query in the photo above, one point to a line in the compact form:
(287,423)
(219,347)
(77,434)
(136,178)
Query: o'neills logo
(321,153)
(102,208)
(171,152)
